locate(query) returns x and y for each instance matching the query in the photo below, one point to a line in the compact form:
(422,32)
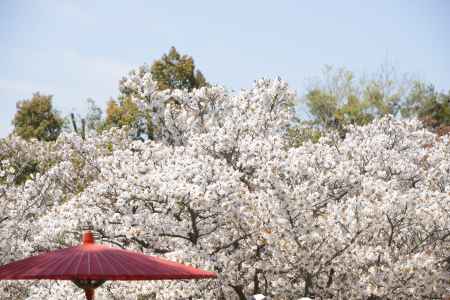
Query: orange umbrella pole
(90,293)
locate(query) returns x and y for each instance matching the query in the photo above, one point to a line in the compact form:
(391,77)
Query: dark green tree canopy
(36,118)
(176,71)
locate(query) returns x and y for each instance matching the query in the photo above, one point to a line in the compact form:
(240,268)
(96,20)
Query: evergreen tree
(176,71)
(36,118)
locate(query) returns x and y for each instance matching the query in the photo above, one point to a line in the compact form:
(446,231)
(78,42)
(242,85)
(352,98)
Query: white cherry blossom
(365,217)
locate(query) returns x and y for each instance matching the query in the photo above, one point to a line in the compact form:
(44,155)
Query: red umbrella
(89,265)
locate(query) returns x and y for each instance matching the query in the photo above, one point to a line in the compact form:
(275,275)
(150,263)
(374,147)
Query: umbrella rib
(11,265)
(77,269)
(106,260)
(63,273)
(168,265)
(118,263)
(89,263)
(25,270)
(134,261)
(17,268)
(20,268)
(56,264)
(98,262)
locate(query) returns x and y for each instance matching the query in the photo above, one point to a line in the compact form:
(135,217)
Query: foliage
(432,107)
(120,115)
(302,132)
(221,188)
(36,118)
(172,71)
(338,99)
(176,71)
(125,114)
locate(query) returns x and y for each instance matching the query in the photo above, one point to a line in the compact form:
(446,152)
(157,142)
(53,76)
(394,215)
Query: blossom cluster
(221,187)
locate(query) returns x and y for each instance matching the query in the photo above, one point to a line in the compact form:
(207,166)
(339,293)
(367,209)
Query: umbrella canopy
(89,265)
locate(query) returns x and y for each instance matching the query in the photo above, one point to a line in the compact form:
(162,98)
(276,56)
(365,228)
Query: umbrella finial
(88,237)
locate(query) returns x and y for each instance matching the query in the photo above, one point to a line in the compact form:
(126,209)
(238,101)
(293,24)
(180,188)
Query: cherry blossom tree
(221,187)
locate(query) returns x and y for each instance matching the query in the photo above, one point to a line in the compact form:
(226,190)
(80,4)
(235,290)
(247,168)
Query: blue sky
(80,49)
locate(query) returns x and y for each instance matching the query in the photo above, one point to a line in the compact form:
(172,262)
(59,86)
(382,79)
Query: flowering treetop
(220,188)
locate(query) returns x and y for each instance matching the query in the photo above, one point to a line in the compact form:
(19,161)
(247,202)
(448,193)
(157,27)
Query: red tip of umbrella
(88,238)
